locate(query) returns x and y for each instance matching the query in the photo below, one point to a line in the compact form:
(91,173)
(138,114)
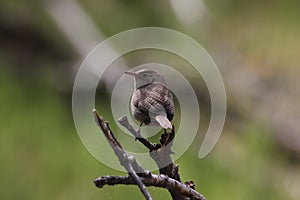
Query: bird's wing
(165,98)
(156,99)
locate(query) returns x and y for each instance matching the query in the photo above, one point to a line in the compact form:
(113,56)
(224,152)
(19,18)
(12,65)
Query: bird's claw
(138,131)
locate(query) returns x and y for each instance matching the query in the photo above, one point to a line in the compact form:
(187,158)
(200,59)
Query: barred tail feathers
(163,121)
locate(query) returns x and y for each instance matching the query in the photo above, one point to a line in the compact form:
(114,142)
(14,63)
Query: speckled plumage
(152,101)
(154,96)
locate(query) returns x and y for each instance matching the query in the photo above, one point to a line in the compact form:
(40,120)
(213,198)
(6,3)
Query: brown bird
(152,102)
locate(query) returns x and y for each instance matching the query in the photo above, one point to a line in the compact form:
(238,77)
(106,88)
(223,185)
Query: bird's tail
(163,121)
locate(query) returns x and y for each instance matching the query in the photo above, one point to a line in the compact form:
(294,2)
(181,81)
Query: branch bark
(161,181)
(127,161)
(169,177)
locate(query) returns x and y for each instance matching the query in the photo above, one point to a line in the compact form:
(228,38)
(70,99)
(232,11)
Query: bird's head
(146,76)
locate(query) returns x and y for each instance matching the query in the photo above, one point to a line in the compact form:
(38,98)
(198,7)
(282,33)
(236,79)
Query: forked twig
(169,177)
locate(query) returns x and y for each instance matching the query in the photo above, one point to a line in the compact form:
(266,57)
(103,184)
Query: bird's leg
(139,131)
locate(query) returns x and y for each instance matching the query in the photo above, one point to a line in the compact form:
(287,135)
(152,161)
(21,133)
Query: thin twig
(124,122)
(139,182)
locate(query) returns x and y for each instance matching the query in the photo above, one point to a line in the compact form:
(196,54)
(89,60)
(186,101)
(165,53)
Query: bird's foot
(167,137)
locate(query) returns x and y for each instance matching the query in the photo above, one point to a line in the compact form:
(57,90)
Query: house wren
(152,102)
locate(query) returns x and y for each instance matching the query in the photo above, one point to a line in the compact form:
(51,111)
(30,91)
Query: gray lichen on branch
(168,178)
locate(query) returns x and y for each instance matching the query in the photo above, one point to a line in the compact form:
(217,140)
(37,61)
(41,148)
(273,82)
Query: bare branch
(124,122)
(155,180)
(139,182)
(127,161)
(160,153)
(169,177)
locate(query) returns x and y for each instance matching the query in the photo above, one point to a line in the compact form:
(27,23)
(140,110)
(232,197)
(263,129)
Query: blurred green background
(254,43)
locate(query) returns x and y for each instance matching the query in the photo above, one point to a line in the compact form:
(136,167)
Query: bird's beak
(131,73)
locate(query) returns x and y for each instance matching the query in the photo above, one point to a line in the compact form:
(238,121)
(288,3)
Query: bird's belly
(140,116)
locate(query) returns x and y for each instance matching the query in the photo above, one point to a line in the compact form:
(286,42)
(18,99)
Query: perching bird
(152,102)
